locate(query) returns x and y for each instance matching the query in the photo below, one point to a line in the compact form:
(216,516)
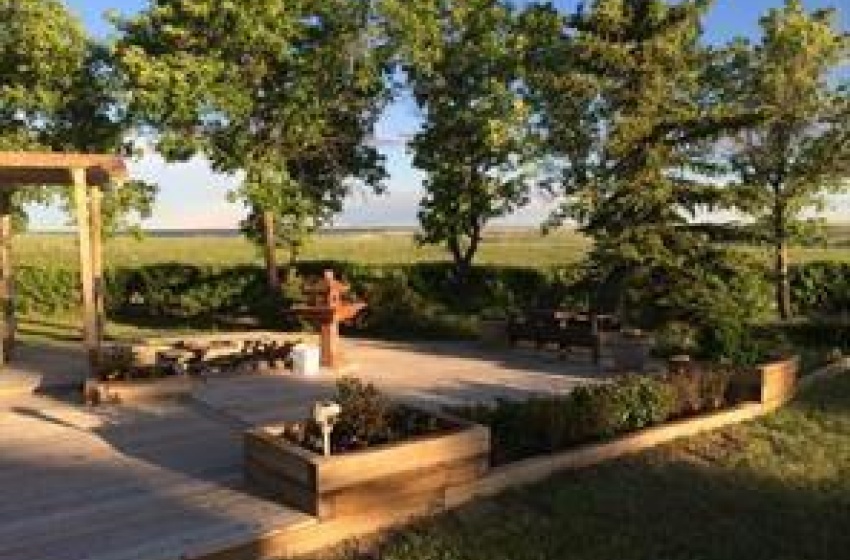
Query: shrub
(701,388)
(821,288)
(366,414)
(588,413)
(421,299)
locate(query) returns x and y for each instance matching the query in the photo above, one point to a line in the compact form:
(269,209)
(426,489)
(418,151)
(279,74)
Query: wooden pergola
(88,175)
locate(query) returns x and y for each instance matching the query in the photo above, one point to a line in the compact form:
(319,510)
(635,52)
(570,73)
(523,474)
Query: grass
(778,488)
(507,247)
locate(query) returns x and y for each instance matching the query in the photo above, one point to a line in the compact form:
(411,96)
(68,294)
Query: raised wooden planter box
(414,476)
(146,390)
(778,381)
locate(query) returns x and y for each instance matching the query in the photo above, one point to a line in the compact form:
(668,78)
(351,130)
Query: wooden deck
(164,481)
(124,484)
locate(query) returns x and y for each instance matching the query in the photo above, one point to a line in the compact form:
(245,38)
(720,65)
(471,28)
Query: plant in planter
(385,458)
(367,419)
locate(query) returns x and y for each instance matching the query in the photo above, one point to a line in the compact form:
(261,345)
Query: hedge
(589,413)
(420,299)
(397,294)
(821,288)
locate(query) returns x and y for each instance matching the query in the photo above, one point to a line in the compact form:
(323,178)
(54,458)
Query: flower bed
(385,457)
(627,404)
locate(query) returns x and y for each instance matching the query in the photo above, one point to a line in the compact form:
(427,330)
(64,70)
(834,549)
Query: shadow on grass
(762,491)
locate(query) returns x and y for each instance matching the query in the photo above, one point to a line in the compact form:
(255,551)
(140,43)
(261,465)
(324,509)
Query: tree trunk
(463,257)
(783,284)
(270,250)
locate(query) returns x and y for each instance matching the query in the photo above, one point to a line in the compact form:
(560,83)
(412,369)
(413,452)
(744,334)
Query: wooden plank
(355,468)
(90,326)
(7,279)
(779,381)
(34,169)
(425,486)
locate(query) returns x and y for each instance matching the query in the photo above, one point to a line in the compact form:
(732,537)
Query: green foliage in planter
(367,419)
(590,413)
(701,388)
(366,414)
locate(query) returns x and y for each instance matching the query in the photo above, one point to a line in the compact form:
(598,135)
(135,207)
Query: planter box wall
(415,475)
(146,390)
(778,381)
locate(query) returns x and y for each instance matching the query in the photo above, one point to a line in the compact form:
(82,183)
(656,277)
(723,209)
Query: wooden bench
(564,328)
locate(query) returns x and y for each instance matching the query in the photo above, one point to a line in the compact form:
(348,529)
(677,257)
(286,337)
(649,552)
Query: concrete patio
(163,481)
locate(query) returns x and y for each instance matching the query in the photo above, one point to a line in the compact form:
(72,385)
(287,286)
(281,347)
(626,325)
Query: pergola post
(91,333)
(7,278)
(96,219)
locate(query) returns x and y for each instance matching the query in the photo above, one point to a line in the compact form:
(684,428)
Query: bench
(564,328)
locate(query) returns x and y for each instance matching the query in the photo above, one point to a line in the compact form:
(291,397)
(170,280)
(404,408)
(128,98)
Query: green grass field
(511,248)
(774,489)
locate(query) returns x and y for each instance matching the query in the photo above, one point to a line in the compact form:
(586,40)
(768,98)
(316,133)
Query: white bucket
(306,360)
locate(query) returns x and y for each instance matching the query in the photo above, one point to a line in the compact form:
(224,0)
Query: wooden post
(96,219)
(270,249)
(90,326)
(330,348)
(7,279)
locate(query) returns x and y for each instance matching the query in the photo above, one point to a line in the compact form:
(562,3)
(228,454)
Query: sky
(193,197)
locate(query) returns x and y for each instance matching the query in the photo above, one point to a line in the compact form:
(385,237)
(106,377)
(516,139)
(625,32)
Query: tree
(60,92)
(627,98)
(460,58)
(800,149)
(263,88)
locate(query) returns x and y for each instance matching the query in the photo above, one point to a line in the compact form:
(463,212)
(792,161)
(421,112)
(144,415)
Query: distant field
(512,248)
(519,248)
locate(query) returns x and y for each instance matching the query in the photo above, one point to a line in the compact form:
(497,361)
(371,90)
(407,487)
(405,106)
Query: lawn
(520,247)
(778,488)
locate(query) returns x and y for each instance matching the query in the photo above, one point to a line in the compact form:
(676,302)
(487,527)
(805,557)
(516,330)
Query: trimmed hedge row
(522,429)
(418,296)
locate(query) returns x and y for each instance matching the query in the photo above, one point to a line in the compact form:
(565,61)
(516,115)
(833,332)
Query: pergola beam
(31,169)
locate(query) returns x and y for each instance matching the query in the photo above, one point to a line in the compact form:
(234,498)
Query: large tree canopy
(461,61)
(286,92)
(59,92)
(800,149)
(628,104)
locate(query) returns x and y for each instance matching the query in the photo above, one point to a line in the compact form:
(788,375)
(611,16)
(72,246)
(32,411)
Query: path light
(326,414)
